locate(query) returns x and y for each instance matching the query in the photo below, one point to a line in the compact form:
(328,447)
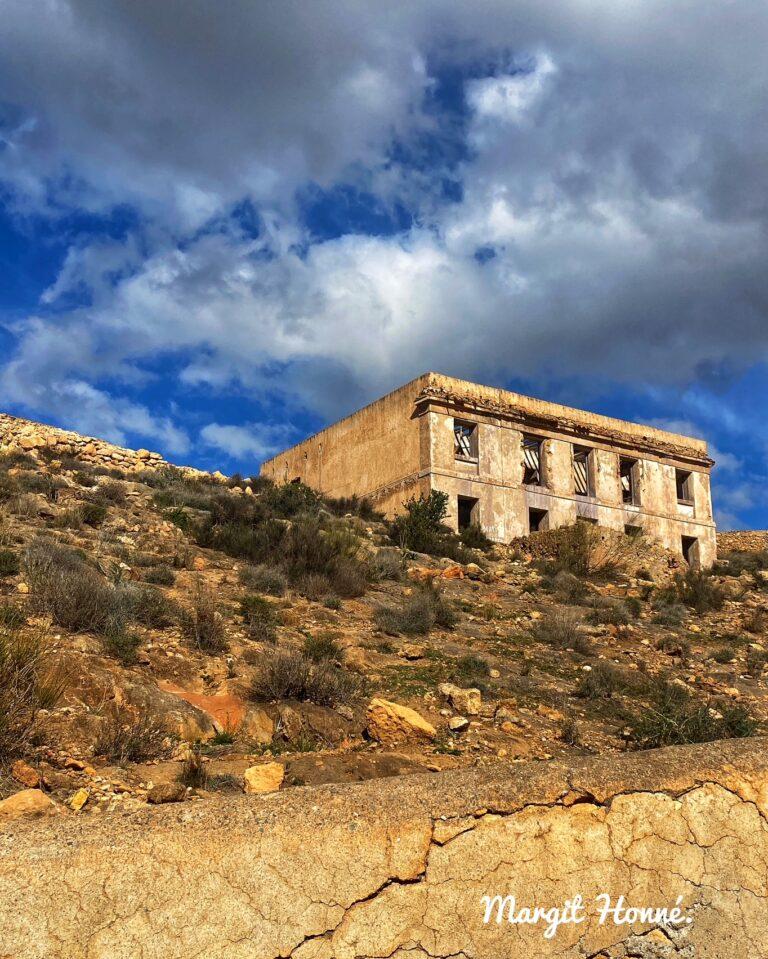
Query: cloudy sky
(224,224)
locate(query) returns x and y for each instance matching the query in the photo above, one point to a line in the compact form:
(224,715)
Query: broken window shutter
(532,456)
(580,472)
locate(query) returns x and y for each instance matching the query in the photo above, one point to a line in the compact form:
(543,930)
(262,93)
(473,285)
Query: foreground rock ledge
(398,868)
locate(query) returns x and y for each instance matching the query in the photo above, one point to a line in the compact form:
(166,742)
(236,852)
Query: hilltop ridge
(199,628)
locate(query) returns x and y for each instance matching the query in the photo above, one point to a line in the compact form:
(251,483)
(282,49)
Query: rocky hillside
(166,635)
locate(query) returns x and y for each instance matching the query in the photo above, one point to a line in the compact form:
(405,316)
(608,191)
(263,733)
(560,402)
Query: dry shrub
(558,628)
(203,624)
(421,612)
(674,717)
(128,736)
(67,589)
(289,674)
(260,618)
(193,772)
(28,683)
(264,579)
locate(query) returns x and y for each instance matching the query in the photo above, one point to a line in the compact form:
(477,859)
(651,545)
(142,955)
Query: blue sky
(223,225)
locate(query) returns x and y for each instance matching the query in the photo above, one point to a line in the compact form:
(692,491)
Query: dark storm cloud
(616,168)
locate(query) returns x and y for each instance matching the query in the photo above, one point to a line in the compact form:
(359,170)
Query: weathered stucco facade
(512,464)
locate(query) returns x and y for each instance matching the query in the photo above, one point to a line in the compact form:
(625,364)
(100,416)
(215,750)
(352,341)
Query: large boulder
(390,722)
(27,804)
(264,778)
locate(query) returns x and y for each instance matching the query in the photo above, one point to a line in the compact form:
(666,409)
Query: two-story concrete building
(512,464)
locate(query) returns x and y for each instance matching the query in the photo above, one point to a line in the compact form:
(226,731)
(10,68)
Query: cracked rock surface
(397,869)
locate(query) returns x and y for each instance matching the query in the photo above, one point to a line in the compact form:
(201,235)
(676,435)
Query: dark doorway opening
(467,512)
(537,519)
(691,550)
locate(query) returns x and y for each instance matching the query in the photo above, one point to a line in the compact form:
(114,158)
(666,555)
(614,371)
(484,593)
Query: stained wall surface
(399,867)
(404,444)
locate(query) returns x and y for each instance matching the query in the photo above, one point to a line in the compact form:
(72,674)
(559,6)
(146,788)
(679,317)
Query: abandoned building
(512,464)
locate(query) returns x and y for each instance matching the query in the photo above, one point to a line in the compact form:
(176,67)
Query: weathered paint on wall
(404,444)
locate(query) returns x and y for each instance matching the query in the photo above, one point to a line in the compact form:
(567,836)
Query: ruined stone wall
(402,445)
(398,868)
(25,436)
(495,480)
(376,452)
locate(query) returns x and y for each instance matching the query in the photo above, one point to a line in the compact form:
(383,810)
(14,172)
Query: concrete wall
(403,444)
(398,868)
(376,452)
(503,502)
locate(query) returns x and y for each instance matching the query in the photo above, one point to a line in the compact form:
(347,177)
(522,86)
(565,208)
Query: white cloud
(621,183)
(255,440)
(509,97)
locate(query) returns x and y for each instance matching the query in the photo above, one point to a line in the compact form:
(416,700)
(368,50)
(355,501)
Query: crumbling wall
(398,868)
(27,437)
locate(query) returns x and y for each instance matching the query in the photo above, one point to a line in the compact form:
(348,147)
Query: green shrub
(9,563)
(322,647)
(112,492)
(88,480)
(569,588)
(756,621)
(607,611)
(387,564)
(122,644)
(12,616)
(28,683)
(724,655)
(352,505)
(314,586)
(160,575)
(150,606)
(696,589)
(421,528)
(179,517)
(331,602)
(289,674)
(470,670)
(602,681)
(674,717)
(63,586)
(92,514)
(756,661)
(424,609)
(736,562)
(259,618)
(473,537)
(291,500)
(264,579)
(668,611)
